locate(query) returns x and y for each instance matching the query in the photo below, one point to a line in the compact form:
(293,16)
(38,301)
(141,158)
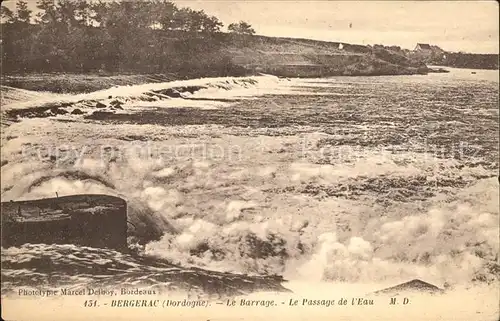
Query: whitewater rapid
(263,200)
(146,95)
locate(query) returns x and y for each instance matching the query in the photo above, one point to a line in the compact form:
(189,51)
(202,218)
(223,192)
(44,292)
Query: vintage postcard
(249,160)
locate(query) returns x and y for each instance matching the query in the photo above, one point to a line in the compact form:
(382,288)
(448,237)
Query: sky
(469,26)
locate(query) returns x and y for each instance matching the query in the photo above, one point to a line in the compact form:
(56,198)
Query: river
(352,180)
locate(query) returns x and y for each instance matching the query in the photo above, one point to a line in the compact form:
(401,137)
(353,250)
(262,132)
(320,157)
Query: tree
(241,28)
(112,35)
(7,14)
(23,13)
(211,24)
(165,13)
(48,12)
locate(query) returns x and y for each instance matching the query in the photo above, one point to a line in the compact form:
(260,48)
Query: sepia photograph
(249,160)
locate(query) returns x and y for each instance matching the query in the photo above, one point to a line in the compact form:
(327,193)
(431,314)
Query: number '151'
(90,303)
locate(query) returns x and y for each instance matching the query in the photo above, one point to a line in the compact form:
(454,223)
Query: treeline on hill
(129,36)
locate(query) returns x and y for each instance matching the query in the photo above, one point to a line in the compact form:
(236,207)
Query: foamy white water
(217,88)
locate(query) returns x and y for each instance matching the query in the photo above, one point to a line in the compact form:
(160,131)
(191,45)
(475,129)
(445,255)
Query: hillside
(440,57)
(310,58)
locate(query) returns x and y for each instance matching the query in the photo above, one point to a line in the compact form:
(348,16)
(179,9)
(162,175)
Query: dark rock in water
(438,70)
(149,99)
(413,285)
(170,92)
(89,220)
(58,111)
(77,111)
(116,102)
(189,89)
(100,105)
(135,137)
(100,114)
(173,93)
(35,112)
(67,104)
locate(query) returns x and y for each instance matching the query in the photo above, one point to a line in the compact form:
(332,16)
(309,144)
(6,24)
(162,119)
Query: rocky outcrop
(438,70)
(413,285)
(57,111)
(88,220)
(322,59)
(177,92)
(77,111)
